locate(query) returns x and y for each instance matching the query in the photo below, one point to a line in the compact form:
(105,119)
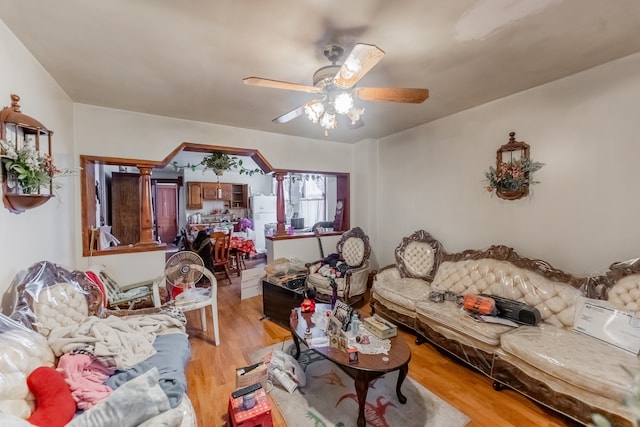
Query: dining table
(243,245)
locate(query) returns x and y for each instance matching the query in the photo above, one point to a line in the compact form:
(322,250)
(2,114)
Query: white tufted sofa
(569,372)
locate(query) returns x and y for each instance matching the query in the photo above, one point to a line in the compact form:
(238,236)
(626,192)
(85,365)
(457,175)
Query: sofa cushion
(418,259)
(353,251)
(404,292)
(60,305)
(554,300)
(625,294)
(455,317)
(574,358)
(54,405)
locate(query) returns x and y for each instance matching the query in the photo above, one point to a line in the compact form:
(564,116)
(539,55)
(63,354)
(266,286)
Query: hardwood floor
(210,373)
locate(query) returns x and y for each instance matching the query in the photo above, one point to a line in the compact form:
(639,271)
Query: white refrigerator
(263,211)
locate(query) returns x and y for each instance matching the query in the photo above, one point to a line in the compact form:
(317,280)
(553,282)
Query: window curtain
(305,194)
(312,202)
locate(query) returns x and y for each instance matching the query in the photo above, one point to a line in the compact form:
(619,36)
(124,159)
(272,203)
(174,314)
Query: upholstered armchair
(354,249)
(398,287)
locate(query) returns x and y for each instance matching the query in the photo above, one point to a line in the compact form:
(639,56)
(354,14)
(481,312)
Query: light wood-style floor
(210,373)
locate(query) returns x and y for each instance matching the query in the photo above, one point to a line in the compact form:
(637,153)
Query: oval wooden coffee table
(368,367)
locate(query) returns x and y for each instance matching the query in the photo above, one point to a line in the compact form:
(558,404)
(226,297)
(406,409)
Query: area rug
(329,398)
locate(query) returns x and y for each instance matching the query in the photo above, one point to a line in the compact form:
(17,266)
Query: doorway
(166,211)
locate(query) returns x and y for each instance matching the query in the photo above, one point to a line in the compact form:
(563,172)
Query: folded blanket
(172,355)
(134,403)
(116,342)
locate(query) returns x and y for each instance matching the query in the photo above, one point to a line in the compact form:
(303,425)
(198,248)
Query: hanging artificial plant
(219,163)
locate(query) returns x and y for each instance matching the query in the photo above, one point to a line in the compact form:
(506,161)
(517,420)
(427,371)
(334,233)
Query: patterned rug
(329,398)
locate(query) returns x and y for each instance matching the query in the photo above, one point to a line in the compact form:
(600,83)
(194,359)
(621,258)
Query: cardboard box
(251,282)
(247,375)
(380,327)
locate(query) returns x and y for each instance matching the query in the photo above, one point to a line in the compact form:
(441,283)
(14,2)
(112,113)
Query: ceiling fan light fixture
(343,103)
(328,121)
(355,113)
(314,110)
(336,86)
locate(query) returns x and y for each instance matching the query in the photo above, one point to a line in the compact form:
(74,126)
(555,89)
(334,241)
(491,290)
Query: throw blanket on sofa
(333,267)
(116,342)
(172,355)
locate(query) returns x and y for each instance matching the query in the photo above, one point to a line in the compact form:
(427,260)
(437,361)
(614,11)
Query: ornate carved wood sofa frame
(549,363)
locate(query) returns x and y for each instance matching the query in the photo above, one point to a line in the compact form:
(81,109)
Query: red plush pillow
(54,405)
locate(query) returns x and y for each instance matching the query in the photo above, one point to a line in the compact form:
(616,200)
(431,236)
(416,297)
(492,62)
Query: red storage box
(258,416)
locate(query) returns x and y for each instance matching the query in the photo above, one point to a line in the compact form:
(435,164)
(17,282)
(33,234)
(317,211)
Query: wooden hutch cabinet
(125,207)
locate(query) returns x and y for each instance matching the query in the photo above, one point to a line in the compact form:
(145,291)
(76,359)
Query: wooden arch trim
(146,243)
(255,155)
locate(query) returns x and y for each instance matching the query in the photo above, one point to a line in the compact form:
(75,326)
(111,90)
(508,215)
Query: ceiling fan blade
(362,58)
(287,117)
(277,84)
(398,94)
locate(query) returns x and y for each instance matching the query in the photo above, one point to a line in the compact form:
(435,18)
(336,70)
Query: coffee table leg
(402,374)
(296,341)
(362,387)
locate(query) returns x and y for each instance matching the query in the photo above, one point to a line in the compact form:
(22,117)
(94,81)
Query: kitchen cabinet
(194,195)
(239,195)
(233,195)
(210,191)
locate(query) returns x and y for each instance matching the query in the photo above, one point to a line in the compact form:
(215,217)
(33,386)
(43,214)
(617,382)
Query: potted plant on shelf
(27,171)
(511,180)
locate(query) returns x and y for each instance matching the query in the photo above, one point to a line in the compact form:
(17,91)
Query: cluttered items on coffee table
(287,272)
(380,327)
(342,312)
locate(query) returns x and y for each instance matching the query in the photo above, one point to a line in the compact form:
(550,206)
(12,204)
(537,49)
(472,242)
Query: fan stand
(182,266)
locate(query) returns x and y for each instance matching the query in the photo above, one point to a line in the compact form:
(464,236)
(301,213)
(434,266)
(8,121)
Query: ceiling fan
(336,86)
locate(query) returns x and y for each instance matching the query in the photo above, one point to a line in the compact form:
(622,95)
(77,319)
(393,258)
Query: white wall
(581,217)
(307,250)
(364,193)
(47,231)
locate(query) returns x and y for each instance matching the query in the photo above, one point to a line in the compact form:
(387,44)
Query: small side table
(259,415)
(278,300)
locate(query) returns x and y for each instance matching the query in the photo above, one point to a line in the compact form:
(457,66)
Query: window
(306,197)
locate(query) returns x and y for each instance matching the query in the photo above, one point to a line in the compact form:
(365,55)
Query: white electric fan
(182,271)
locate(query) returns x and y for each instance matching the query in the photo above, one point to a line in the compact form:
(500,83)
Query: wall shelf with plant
(28,170)
(26,154)
(514,170)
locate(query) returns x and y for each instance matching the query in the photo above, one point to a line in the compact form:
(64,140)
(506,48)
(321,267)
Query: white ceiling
(187,59)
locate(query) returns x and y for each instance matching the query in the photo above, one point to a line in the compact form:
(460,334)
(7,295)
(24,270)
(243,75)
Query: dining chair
(220,251)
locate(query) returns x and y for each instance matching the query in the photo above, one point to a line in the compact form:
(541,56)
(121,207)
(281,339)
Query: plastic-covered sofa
(549,362)
(111,364)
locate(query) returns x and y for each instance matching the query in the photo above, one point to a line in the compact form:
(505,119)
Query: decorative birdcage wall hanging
(514,170)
